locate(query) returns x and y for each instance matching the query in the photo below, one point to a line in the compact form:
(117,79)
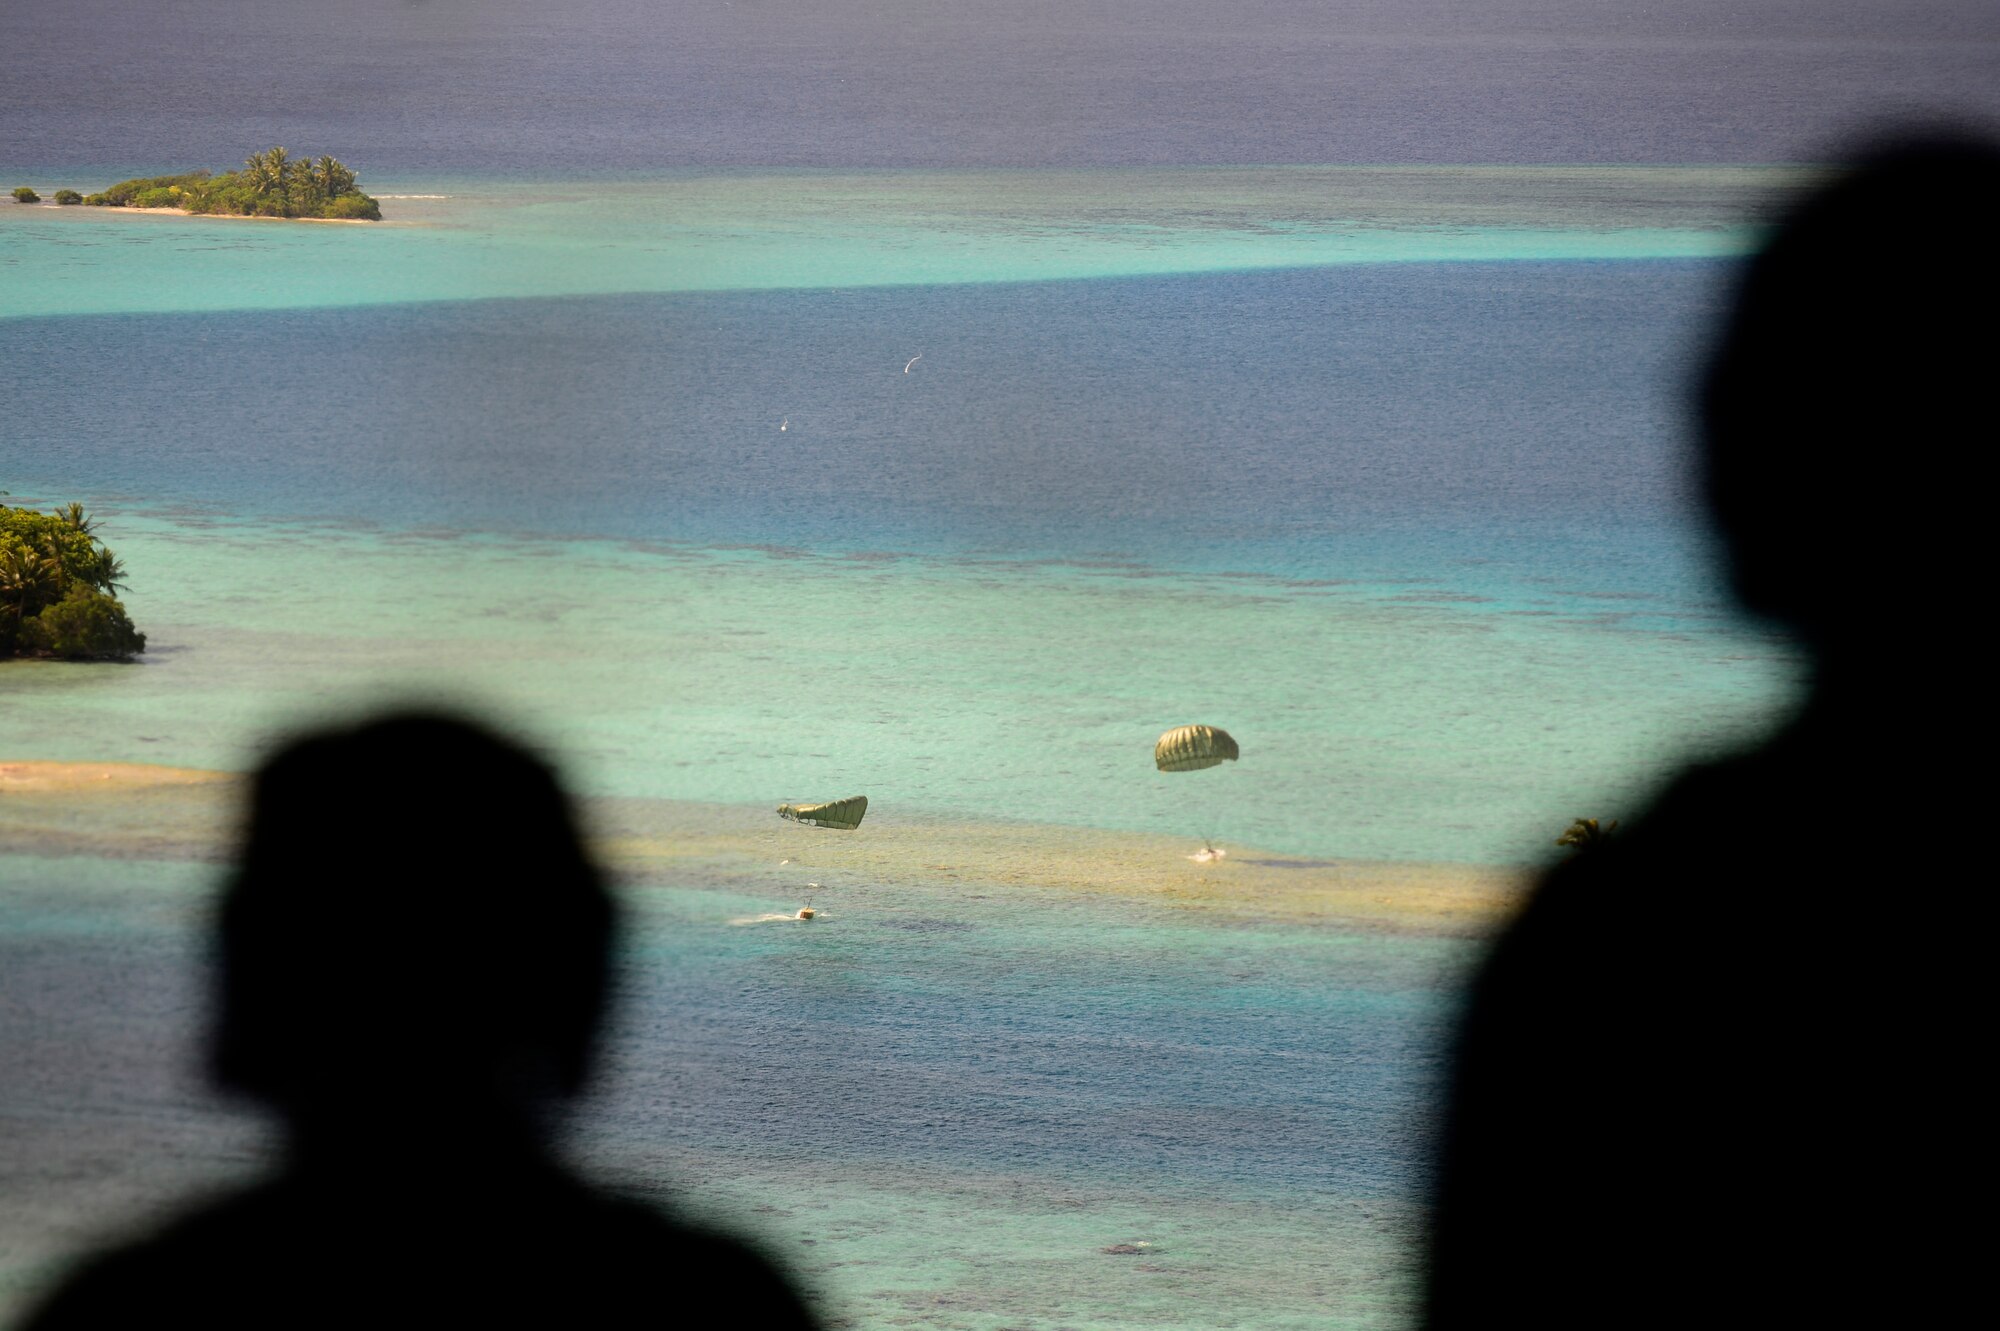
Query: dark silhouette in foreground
(412,967)
(1721,1070)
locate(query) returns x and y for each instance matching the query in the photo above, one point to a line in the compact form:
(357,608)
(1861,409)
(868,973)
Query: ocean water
(985,536)
(457,238)
(600,87)
(1384,471)
(940,1108)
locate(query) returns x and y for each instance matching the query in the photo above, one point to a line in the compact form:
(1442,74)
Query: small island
(56,585)
(271,184)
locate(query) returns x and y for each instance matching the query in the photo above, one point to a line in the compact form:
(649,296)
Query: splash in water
(796,917)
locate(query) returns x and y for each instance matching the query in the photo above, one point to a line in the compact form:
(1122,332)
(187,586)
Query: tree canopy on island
(271,184)
(56,585)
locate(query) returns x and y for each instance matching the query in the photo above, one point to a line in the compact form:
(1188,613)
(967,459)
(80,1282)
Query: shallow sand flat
(119,811)
(47,777)
(135,811)
(1151,871)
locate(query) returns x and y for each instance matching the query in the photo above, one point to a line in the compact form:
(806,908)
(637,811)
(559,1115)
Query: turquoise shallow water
(1378,723)
(1389,488)
(485,239)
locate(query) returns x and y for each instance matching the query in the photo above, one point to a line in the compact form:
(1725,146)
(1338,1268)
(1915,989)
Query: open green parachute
(842,815)
(1191,748)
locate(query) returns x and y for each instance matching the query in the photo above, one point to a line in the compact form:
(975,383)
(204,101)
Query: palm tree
(55,560)
(25,579)
(110,572)
(269,172)
(332,178)
(73,516)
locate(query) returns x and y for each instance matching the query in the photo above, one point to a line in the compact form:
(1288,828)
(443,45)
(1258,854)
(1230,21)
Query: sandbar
(60,778)
(1150,871)
(243,217)
(135,811)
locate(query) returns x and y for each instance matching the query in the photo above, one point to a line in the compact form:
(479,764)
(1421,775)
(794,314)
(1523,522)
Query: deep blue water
(530,87)
(1026,1033)
(1513,424)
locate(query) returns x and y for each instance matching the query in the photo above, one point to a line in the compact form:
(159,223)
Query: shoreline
(82,209)
(232,217)
(60,809)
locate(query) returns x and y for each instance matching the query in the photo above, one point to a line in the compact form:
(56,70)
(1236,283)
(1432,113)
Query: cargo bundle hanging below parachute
(842,815)
(1191,748)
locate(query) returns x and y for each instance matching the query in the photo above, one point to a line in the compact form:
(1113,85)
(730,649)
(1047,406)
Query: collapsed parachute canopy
(1191,748)
(844,815)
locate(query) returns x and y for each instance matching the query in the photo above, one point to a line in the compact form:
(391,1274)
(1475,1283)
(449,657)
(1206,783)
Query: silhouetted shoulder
(1721,1069)
(1670,1060)
(558,1256)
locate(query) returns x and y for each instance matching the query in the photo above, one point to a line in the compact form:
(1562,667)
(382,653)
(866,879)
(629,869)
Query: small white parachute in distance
(1191,748)
(842,815)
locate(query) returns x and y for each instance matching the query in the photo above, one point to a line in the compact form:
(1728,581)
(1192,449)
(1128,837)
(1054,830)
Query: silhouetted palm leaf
(1585,833)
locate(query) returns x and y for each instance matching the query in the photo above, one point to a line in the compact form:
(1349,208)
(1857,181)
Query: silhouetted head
(1848,404)
(413,921)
